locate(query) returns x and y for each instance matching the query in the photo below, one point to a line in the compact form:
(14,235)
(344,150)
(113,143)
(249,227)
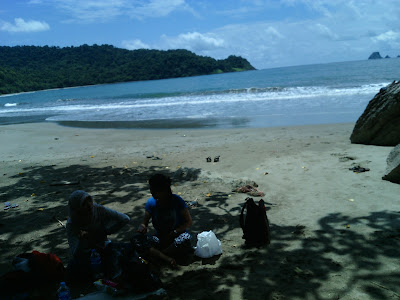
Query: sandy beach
(335,234)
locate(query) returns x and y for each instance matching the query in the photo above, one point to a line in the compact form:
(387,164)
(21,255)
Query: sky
(268,33)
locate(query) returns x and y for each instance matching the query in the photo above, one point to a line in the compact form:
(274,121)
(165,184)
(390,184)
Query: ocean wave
(237,99)
(307,90)
(148,95)
(66,100)
(255,95)
(232,96)
(251,93)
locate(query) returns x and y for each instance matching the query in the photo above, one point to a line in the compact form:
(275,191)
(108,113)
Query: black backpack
(254,223)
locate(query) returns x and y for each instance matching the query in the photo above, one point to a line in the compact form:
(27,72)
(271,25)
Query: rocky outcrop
(393,166)
(380,122)
(375,55)
(387,56)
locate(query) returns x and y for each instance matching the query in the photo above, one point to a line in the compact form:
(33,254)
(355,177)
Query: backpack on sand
(255,223)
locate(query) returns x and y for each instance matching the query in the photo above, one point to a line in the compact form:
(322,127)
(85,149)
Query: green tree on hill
(28,68)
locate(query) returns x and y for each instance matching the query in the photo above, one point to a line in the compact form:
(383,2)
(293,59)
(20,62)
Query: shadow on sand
(296,264)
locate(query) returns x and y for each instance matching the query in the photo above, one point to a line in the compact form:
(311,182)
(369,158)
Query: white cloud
(261,43)
(388,41)
(256,41)
(104,10)
(327,31)
(158,8)
(324,31)
(193,41)
(271,44)
(21,25)
(91,11)
(288,32)
(387,36)
(35,2)
(134,44)
(273,33)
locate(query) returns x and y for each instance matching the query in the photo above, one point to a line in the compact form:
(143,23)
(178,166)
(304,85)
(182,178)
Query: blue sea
(298,95)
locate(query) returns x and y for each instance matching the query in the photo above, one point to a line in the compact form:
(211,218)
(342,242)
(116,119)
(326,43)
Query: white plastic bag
(207,245)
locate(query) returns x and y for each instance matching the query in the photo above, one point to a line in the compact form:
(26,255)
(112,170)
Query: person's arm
(77,240)
(187,221)
(143,227)
(158,254)
(114,220)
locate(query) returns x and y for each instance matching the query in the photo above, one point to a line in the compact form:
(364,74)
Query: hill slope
(28,68)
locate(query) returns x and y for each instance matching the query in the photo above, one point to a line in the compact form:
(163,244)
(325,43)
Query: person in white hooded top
(88,226)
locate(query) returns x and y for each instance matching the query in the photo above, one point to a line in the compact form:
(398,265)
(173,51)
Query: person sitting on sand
(171,219)
(88,225)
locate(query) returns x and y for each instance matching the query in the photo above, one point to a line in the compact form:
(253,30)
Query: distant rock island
(377,55)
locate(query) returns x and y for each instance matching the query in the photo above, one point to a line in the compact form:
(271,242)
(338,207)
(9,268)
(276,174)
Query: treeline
(30,68)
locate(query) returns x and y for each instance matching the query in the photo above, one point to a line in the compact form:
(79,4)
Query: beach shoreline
(335,233)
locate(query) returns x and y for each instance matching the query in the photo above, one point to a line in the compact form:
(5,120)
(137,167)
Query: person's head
(80,205)
(160,187)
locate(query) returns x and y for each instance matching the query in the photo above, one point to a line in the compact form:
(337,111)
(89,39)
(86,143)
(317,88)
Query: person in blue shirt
(170,218)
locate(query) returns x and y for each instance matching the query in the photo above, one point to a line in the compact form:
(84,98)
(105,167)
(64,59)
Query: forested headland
(31,68)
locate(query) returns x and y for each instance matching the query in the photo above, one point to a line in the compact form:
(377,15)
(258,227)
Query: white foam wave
(67,100)
(246,96)
(258,95)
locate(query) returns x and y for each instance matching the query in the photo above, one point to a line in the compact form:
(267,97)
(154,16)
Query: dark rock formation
(380,122)
(375,55)
(393,165)
(387,56)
